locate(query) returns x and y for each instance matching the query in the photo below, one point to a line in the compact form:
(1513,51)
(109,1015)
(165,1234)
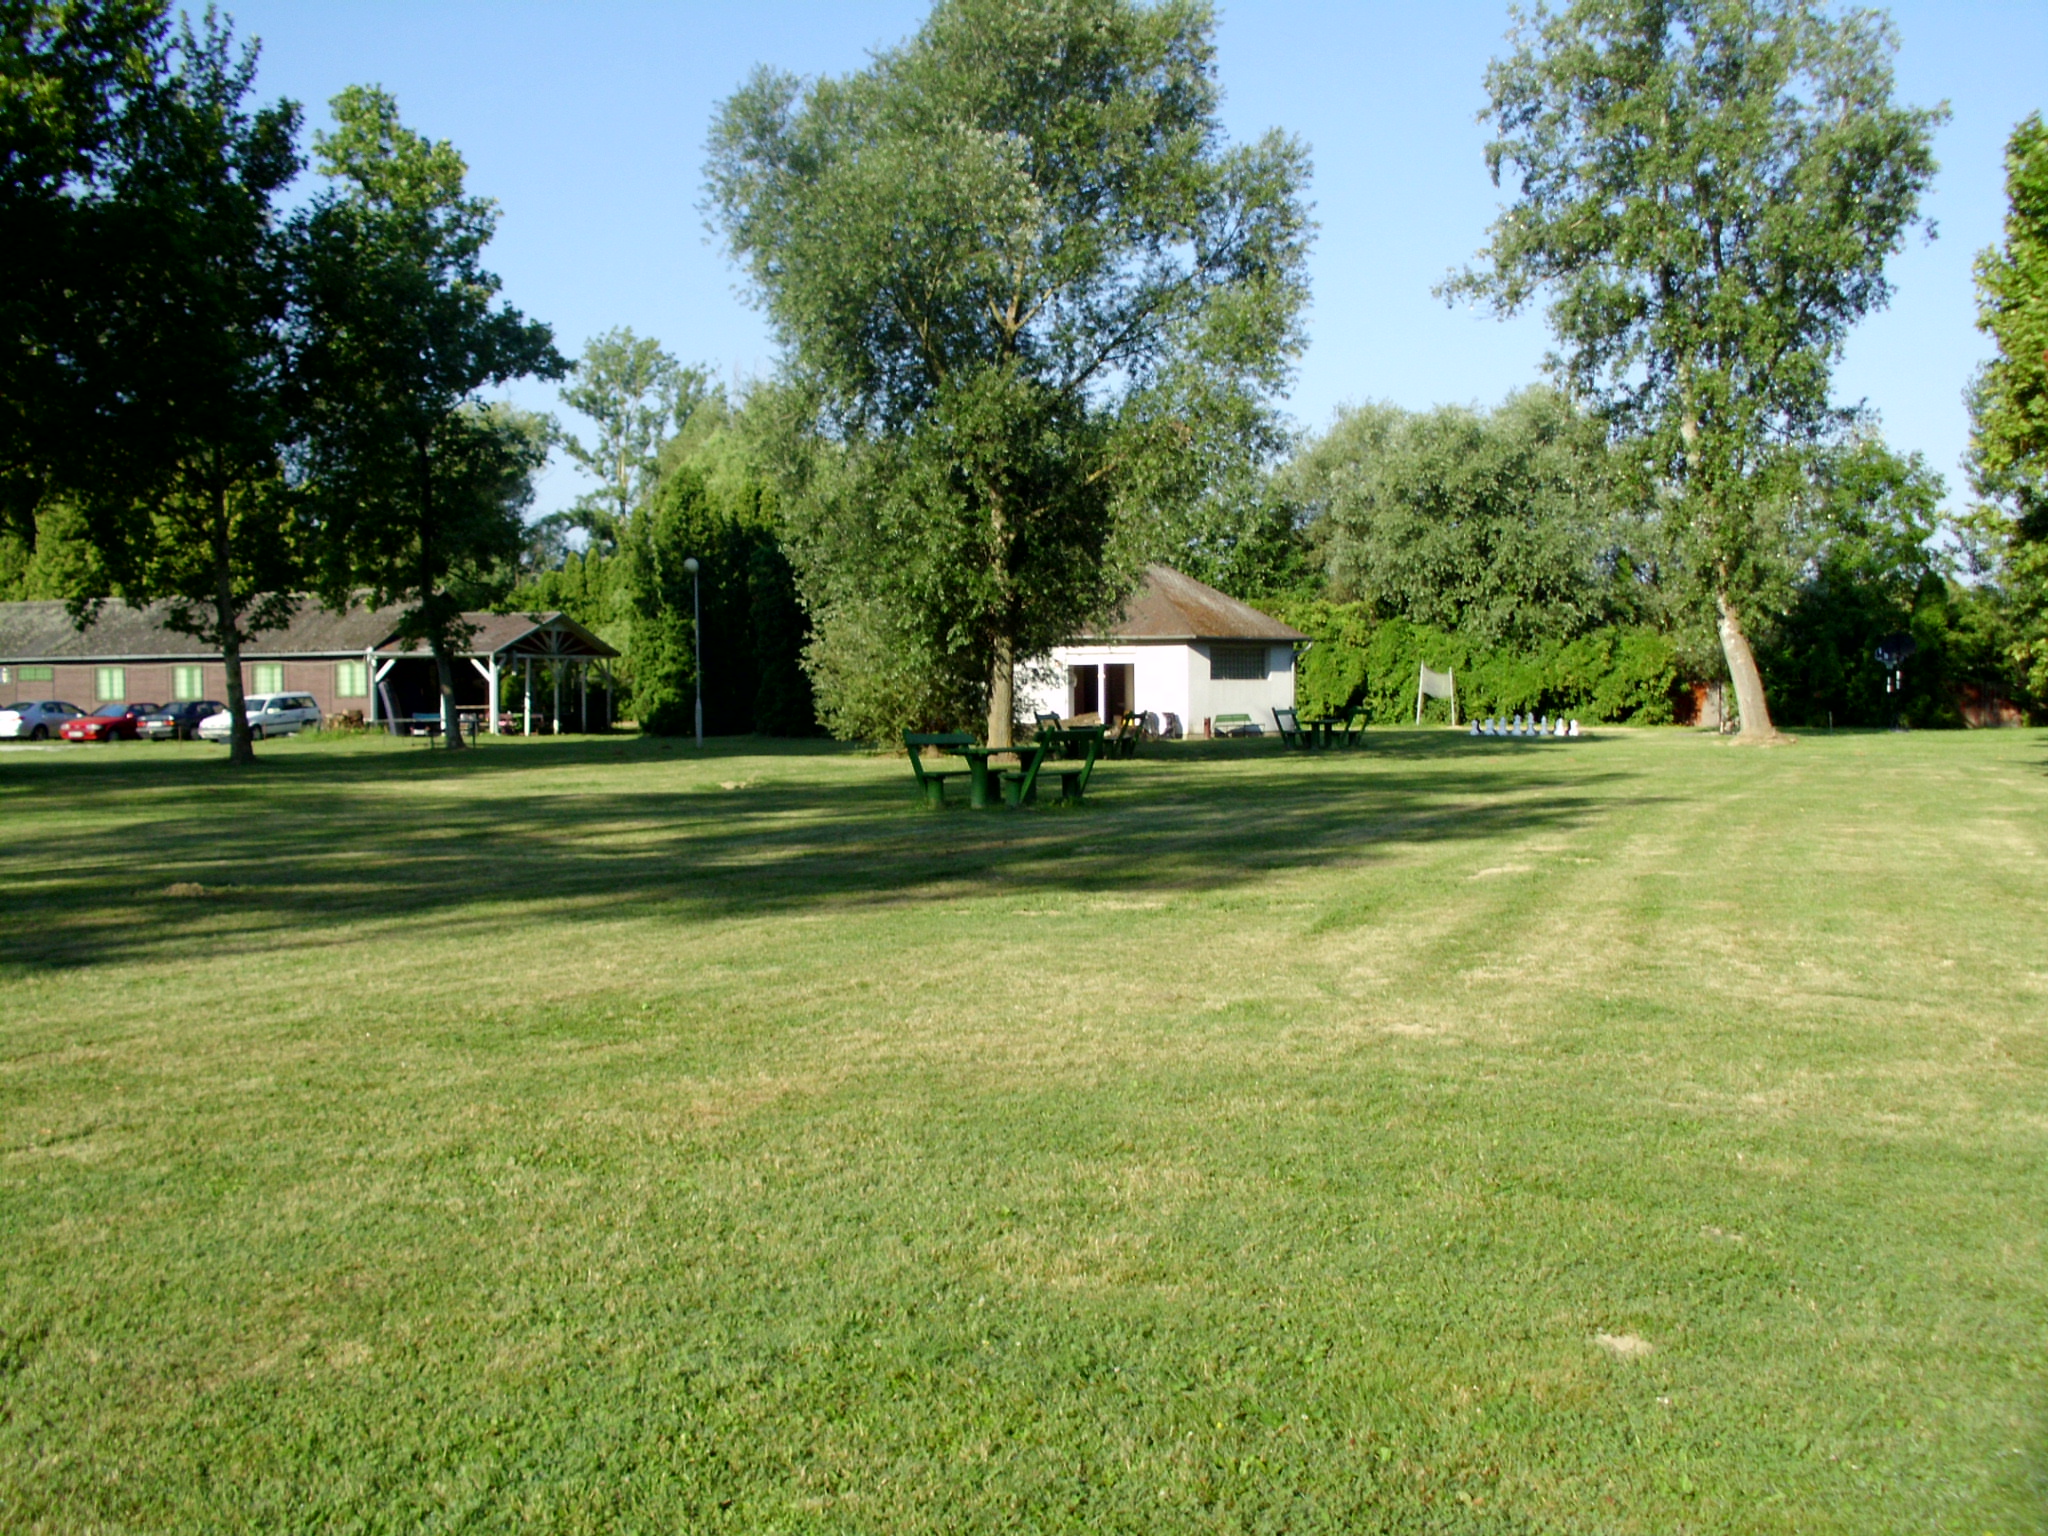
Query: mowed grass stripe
(562,1137)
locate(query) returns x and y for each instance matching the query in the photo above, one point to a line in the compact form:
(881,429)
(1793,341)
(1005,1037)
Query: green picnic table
(1019,785)
(1344,727)
(1080,748)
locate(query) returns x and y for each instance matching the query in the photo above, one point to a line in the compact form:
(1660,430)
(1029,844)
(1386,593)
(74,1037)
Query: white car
(269,714)
(37,721)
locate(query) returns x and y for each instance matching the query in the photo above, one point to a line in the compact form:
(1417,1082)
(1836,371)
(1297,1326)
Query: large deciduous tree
(1505,526)
(76,78)
(2009,403)
(1708,190)
(187,501)
(420,482)
(1027,296)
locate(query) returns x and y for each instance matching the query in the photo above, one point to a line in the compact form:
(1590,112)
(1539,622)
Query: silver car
(37,721)
(269,714)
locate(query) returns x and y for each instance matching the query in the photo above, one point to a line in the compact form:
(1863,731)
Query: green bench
(1084,742)
(1020,784)
(931,782)
(1231,725)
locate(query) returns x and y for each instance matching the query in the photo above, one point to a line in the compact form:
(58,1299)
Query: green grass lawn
(1636,1134)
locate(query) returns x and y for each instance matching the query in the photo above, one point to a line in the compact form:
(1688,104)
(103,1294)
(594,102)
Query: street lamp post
(697,633)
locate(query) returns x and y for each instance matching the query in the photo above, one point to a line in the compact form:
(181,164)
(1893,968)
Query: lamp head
(690,565)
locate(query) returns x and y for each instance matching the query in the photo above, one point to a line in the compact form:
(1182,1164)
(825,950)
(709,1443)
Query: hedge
(1613,674)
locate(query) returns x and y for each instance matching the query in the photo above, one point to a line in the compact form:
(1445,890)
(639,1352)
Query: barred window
(351,679)
(269,676)
(1239,663)
(36,674)
(111,684)
(187,683)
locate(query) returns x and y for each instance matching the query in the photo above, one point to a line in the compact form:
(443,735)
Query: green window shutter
(38,674)
(269,676)
(187,683)
(111,684)
(351,679)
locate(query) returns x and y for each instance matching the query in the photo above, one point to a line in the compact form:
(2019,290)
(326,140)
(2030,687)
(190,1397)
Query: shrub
(1617,673)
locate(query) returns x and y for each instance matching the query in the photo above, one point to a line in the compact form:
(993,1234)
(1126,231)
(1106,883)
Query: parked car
(110,722)
(178,722)
(35,721)
(269,714)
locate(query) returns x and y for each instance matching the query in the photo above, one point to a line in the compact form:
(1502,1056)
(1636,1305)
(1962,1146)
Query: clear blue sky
(587,120)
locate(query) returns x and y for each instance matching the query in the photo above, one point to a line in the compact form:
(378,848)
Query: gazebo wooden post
(494,693)
(583,692)
(526,726)
(555,725)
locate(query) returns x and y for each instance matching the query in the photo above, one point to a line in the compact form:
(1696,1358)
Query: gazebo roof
(553,635)
(1170,606)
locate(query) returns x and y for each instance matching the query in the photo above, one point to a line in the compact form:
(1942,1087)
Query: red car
(107,723)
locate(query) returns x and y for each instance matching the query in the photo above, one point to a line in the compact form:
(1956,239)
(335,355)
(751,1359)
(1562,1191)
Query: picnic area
(1629,1134)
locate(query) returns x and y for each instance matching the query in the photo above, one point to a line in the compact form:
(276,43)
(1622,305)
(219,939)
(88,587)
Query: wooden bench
(1231,725)
(1130,731)
(931,782)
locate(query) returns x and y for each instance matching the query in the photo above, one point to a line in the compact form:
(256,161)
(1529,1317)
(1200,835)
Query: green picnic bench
(1075,741)
(931,782)
(1231,725)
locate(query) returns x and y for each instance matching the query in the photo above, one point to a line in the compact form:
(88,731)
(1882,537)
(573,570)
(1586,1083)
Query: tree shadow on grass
(332,842)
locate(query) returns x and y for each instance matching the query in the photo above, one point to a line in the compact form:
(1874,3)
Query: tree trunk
(429,599)
(1002,694)
(1749,682)
(444,673)
(227,622)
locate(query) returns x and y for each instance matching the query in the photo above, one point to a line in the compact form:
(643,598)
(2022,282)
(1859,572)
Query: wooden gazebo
(513,644)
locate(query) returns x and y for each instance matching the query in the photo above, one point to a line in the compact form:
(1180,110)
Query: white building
(1180,649)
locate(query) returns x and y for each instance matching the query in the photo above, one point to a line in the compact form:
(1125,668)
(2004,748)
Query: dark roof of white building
(36,632)
(1170,606)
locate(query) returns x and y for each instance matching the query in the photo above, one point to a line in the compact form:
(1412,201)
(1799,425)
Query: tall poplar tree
(419,482)
(1026,294)
(1707,191)
(637,396)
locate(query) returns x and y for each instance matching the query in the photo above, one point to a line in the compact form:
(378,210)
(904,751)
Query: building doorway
(1116,690)
(1084,694)
(1105,690)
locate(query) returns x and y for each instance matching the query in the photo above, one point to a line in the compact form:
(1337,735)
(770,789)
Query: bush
(1615,674)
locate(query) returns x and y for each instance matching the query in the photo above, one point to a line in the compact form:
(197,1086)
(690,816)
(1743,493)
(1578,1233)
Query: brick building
(346,661)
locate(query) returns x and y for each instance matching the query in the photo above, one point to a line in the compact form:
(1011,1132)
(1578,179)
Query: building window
(187,683)
(111,684)
(1237,663)
(36,674)
(351,679)
(269,676)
